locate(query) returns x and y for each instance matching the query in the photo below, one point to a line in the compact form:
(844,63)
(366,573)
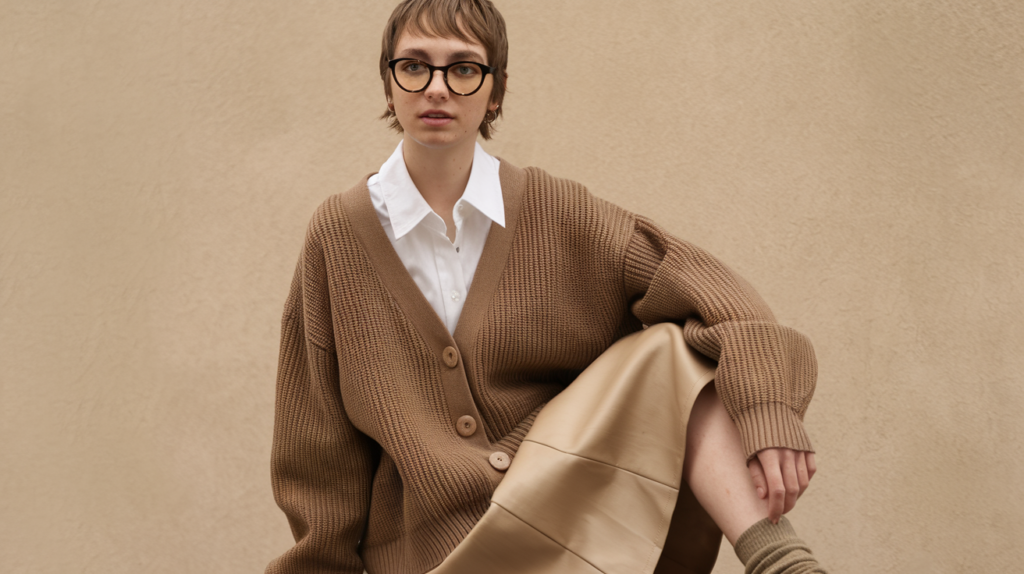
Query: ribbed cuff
(767,548)
(762,534)
(771,425)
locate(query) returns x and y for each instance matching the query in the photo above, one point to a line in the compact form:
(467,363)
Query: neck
(441,175)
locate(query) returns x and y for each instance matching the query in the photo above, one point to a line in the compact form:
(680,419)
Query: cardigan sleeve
(766,372)
(321,466)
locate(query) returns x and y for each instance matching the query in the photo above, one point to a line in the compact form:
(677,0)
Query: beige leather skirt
(596,485)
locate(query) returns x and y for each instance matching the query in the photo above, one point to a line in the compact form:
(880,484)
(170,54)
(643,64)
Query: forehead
(435,49)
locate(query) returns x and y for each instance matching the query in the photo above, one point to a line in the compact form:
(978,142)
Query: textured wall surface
(860,162)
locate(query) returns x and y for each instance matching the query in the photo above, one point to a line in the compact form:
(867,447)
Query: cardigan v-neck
(441,266)
(392,272)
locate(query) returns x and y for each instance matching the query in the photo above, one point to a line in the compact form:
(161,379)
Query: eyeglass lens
(463,77)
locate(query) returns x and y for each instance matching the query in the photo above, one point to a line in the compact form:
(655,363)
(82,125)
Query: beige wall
(861,162)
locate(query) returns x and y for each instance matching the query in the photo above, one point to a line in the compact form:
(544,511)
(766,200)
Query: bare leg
(716,468)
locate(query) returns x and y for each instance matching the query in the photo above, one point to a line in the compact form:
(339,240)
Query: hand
(781,475)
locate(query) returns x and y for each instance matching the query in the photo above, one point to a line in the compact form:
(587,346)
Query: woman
(439,312)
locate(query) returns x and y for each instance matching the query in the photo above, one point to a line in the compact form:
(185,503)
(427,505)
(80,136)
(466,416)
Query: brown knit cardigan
(368,464)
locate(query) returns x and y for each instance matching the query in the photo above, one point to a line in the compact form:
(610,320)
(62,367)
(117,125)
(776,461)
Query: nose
(437,88)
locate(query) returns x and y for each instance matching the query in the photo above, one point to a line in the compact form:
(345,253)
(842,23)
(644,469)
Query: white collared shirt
(441,269)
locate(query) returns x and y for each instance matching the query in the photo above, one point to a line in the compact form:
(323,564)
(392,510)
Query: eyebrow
(461,55)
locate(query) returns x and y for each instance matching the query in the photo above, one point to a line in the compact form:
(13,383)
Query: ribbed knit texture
(767,548)
(367,463)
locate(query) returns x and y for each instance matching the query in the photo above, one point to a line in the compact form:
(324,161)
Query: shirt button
(450,356)
(455,295)
(499,460)
(466,425)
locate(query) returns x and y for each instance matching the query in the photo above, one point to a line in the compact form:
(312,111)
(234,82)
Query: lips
(435,118)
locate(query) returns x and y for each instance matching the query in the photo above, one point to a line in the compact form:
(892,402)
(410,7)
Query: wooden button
(451,356)
(466,425)
(500,460)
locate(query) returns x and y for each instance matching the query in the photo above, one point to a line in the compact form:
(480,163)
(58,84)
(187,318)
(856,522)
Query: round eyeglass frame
(444,74)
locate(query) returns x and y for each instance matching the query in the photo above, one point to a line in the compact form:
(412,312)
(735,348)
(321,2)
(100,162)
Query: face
(436,118)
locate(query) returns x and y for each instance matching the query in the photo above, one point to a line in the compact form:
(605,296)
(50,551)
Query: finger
(776,486)
(811,466)
(757,474)
(802,475)
(789,477)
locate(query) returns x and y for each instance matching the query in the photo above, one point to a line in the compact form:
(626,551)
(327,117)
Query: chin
(437,141)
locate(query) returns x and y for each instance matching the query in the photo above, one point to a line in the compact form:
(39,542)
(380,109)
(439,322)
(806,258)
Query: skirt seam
(545,535)
(626,470)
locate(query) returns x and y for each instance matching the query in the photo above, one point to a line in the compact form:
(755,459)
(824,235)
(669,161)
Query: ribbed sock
(767,548)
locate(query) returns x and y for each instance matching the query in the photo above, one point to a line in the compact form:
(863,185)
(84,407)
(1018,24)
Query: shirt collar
(484,188)
(407,208)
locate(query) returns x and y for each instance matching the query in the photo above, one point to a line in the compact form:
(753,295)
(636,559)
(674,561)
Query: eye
(413,67)
(466,70)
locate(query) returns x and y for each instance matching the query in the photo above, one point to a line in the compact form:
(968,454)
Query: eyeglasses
(462,78)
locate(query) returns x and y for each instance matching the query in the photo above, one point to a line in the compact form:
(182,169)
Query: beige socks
(767,548)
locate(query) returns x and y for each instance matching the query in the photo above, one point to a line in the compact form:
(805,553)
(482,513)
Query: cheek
(480,103)
(401,103)
(488,89)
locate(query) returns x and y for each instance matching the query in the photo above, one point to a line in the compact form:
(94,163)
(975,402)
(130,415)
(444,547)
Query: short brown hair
(468,20)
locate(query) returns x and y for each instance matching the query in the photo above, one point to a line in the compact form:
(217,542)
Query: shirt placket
(449,272)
